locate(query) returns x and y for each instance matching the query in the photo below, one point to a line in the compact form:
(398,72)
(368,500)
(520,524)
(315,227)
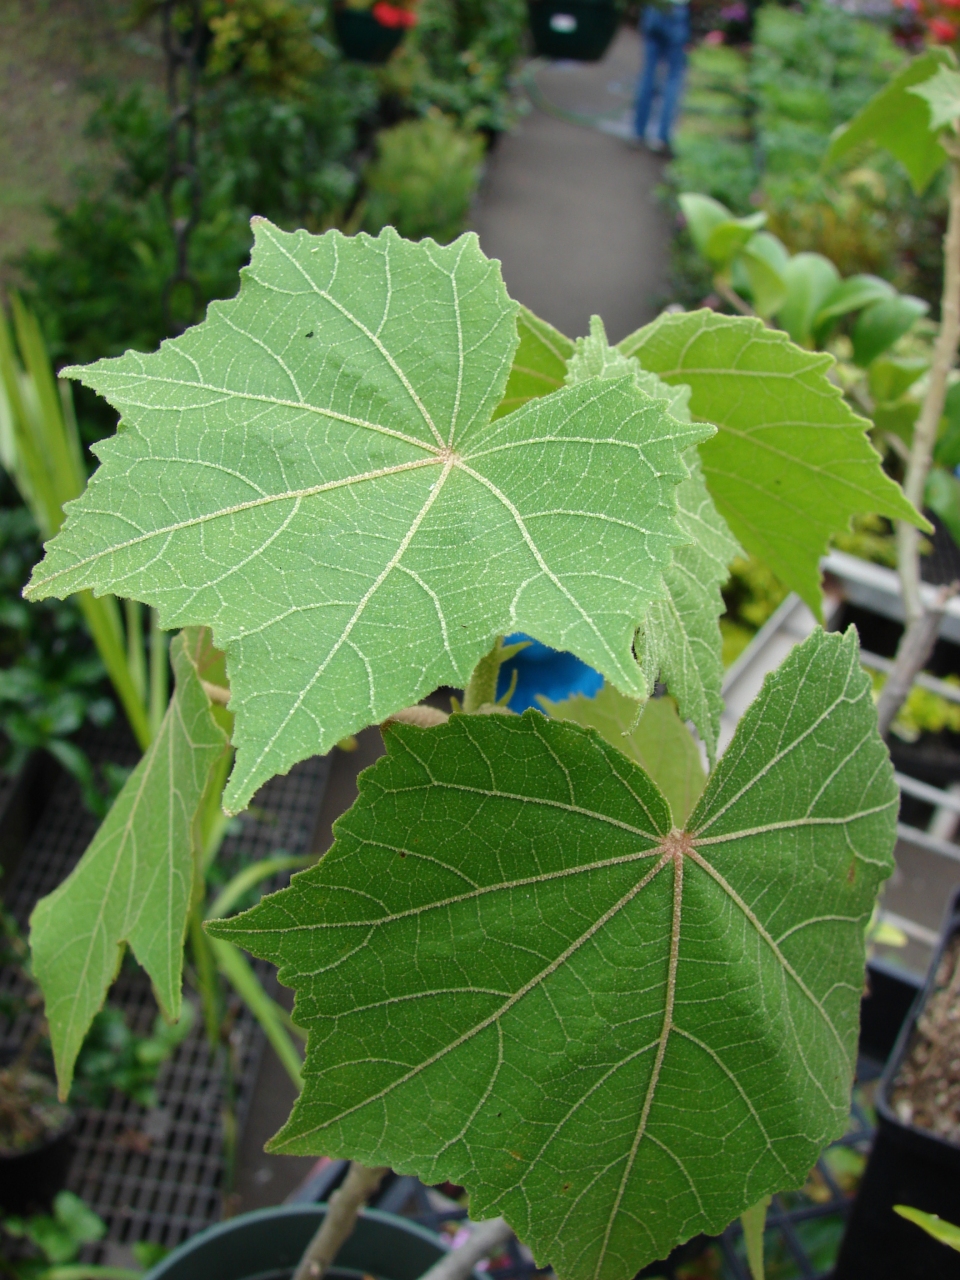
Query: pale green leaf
(313,473)
(515,976)
(765,260)
(896,119)
(811,279)
(654,737)
(133,884)
(880,325)
(942,96)
(934,1225)
(791,462)
(679,639)
(539,365)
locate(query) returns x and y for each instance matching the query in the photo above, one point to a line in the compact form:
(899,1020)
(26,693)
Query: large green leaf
(516,976)
(791,462)
(679,639)
(133,884)
(540,364)
(895,118)
(654,736)
(313,473)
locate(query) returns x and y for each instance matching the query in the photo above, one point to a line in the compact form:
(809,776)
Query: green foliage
(99,289)
(360,474)
(763,461)
(385,441)
(423,179)
(51,680)
(460,58)
(134,883)
(899,120)
(587,1067)
(114,1057)
(59,1236)
(678,640)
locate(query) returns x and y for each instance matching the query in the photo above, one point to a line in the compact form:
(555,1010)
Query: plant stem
(159,672)
(341,1216)
(914,649)
(729,294)
(136,657)
(458,1263)
(925,431)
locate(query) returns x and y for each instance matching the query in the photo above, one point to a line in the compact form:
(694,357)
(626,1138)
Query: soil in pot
(926,1090)
(35,1141)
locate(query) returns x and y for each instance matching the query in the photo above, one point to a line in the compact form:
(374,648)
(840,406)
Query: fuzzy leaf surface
(133,884)
(791,462)
(515,975)
(313,473)
(679,639)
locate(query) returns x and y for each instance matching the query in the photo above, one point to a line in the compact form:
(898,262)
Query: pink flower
(943,31)
(713,37)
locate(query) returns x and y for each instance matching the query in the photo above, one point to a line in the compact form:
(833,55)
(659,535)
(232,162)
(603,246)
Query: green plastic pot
(268,1244)
(581,29)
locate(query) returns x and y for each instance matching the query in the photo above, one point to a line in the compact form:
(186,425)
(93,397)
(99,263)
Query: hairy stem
(925,431)
(342,1212)
(458,1263)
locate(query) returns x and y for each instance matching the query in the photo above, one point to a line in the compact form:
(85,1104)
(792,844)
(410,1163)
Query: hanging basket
(371,35)
(579,29)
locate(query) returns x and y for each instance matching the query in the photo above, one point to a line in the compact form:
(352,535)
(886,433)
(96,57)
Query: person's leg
(676,58)
(648,79)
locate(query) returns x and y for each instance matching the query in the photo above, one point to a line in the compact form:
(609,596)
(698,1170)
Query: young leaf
(133,884)
(880,325)
(811,279)
(679,638)
(655,737)
(313,473)
(942,96)
(791,462)
(516,976)
(896,119)
(539,365)
(765,260)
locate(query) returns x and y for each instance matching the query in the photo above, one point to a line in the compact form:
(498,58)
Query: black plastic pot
(362,38)
(268,1244)
(907,1166)
(578,29)
(30,1180)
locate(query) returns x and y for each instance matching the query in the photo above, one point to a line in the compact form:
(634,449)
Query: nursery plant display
(320,481)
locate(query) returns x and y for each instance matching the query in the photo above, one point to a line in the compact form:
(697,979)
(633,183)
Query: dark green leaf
(517,977)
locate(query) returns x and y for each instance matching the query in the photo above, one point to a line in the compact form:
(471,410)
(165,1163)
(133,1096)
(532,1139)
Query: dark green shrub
(423,178)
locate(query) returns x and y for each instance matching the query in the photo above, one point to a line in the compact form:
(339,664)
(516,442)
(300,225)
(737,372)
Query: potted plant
(916,1156)
(523,968)
(578,29)
(271,1241)
(370,30)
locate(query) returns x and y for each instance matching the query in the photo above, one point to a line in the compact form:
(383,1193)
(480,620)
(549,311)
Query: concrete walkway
(570,210)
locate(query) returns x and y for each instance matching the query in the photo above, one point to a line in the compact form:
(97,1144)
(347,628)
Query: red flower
(942,30)
(391,15)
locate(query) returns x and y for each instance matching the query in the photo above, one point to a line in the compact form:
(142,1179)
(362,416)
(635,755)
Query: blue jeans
(665,33)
